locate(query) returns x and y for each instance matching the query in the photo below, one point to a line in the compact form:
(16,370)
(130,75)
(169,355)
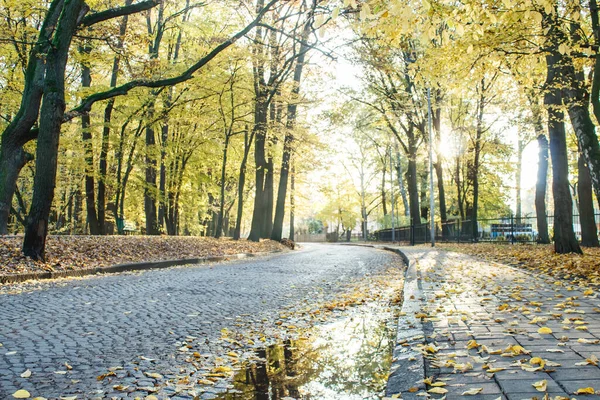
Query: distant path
(100,322)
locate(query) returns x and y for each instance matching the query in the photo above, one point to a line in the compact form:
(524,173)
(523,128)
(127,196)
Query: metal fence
(508,229)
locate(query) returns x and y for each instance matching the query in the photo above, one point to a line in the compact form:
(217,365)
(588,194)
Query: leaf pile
(64,253)
(583,270)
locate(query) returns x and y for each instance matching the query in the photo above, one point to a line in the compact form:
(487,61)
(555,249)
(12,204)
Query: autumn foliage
(76,252)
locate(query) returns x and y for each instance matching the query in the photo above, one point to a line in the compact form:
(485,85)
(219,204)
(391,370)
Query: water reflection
(348,358)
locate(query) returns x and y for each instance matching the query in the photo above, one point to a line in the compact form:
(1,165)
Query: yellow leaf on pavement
(544,330)
(21,394)
(587,390)
(540,385)
(472,392)
(438,390)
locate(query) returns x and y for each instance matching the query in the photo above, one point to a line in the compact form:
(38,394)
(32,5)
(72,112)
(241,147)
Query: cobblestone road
(495,332)
(67,333)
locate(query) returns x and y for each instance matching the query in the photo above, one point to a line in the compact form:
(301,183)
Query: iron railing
(509,229)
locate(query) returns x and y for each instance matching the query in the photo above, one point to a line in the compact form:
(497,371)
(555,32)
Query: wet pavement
(489,331)
(164,332)
(348,358)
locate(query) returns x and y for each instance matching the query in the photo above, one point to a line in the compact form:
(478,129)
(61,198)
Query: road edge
(125,267)
(407,371)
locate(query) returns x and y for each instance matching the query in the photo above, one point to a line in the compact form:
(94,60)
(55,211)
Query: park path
(481,330)
(136,328)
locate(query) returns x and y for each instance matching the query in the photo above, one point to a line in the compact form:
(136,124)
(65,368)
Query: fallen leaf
(587,390)
(26,374)
(438,390)
(21,394)
(540,385)
(544,330)
(472,392)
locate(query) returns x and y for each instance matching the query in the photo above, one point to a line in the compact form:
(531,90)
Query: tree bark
(400,178)
(289,138)
(86,136)
(292,203)
(241,183)
(19,131)
(260,133)
(412,178)
(540,190)
(51,116)
(219,229)
(439,166)
(587,219)
(564,236)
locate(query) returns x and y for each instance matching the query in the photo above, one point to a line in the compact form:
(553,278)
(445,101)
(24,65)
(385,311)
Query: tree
(46,84)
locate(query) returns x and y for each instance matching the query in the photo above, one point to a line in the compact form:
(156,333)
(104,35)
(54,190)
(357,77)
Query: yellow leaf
(151,397)
(438,390)
(540,385)
(493,370)
(544,330)
(587,390)
(472,392)
(21,394)
(153,375)
(438,384)
(26,374)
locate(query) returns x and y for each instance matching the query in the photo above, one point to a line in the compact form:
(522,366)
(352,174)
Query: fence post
(412,233)
(512,229)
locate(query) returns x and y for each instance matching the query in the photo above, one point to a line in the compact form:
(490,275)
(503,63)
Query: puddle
(347,358)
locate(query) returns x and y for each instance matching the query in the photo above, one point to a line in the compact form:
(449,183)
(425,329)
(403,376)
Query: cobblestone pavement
(491,331)
(66,333)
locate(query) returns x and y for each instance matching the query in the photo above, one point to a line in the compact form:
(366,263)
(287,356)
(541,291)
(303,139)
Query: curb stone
(408,365)
(137,266)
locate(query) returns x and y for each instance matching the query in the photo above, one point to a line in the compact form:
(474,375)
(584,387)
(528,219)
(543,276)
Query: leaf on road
(472,392)
(544,330)
(438,390)
(587,390)
(21,394)
(26,374)
(540,385)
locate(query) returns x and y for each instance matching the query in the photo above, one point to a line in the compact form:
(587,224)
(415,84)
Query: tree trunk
(411,179)
(150,187)
(439,168)
(289,139)
(587,219)
(241,183)
(268,199)
(19,131)
(383,199)
(564,236)
(424,204)
(51,115)
(86,136)
(400,177)
(540,190)
(220,216)
(260,132)
(292,203)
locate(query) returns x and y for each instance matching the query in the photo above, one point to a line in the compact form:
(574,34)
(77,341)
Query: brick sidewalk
(481,335)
